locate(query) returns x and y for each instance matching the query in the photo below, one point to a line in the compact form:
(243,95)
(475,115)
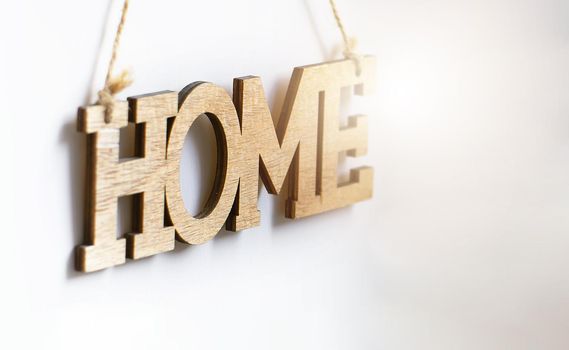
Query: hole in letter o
(198,166)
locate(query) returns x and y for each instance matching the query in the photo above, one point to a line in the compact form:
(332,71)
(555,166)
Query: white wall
(464,245)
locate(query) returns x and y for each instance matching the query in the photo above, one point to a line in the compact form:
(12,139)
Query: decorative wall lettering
(304,148)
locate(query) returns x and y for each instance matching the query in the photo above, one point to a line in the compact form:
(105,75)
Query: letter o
(194,100)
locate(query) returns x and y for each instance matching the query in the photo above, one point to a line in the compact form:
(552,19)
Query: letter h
(110,177)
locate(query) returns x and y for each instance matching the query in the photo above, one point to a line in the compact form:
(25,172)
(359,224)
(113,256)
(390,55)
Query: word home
(303,150)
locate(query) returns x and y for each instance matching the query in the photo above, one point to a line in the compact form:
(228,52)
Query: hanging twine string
(349,43)
(114,84)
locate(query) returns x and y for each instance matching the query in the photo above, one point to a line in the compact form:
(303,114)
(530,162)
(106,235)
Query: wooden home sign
(304,149)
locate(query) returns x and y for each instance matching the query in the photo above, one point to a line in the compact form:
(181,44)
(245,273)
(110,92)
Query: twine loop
(114,84)
(349,43)
(350,53)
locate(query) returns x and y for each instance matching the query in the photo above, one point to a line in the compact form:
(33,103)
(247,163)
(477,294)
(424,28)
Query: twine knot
(350,53)
(112,87)
(114,84)
(349,43)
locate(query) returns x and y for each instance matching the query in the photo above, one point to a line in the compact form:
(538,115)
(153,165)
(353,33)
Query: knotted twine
(114,84)
(349,43)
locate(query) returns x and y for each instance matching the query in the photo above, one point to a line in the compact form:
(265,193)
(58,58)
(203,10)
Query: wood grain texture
(316,89)
(304,147)
(109,178)
(213,101)
(306,143)
(151,237)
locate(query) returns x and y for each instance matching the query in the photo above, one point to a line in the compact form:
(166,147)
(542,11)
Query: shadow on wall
(76,145)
